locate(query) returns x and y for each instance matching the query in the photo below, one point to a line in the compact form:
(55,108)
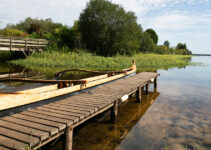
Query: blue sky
(186,21)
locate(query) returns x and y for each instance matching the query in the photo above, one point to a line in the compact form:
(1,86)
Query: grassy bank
(144,62)
(5,56)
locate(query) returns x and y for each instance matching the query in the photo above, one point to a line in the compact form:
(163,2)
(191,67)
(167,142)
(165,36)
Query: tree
(153,35)
(166,43)
(107,29)
(181,46)
(38,26)
(147,44)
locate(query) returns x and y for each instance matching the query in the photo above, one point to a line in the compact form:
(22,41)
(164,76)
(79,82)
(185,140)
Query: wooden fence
(26,45)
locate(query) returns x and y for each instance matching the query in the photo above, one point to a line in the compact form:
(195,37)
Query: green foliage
(153,35)
(181,46)
(183,52)
(181,49)
(161,49)
(12,32)
(147,45)
(83,59)
(107,29)
(166,43)
(39,26)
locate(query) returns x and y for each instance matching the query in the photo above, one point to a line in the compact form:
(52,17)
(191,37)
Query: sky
(184,21)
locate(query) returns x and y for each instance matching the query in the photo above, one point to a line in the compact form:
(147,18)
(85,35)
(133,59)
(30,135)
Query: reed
(86,60)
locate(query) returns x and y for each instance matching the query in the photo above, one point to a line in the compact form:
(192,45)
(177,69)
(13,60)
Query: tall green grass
(5,56)
(86,60)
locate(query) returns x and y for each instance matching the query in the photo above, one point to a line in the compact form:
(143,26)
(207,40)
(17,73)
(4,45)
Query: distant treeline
(103,28)
(201,54)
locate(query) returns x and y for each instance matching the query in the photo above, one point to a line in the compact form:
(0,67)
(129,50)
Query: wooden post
(138,94)
(10,43)
(26,47)
(147,88)
(38,46)
(114,112)
(155,82)
(69,138)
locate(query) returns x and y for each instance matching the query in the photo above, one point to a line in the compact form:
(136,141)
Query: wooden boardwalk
(36,127)
(26,45)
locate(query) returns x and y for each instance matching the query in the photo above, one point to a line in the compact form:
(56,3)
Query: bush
(162,50)
(182,52)
(12,32)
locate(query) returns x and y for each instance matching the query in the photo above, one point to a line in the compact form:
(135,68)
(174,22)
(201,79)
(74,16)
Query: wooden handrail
(21,44)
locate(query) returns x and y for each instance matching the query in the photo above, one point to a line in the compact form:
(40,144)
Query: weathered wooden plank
(74,108)
(27,139)
(4,148)
(60,126)
(80,106)
(68,114)
(55,107)
(46,117)
(12,144)
(49,129)
(91,101)
(92,105)
(71,118)
(27,130)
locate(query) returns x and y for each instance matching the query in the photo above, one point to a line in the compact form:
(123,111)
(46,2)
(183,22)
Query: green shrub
(12,32)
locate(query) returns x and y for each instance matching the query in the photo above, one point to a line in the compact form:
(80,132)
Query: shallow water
(176,117)
(181,116)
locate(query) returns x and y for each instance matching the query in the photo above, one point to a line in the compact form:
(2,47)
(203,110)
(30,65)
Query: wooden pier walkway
(35,127)
(26,45)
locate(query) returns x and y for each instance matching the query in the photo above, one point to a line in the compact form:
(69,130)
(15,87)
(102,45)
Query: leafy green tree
(181,46)
(107,29)
(166,43)
(147,44)
(153,35)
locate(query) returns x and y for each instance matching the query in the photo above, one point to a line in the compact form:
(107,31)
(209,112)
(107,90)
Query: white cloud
(175,20)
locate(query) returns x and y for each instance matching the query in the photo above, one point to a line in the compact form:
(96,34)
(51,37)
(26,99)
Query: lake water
(177,116)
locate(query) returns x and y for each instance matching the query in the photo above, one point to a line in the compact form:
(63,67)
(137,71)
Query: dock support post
(69,138)
(155,82)
(114,112)
(138,94)
(147,88)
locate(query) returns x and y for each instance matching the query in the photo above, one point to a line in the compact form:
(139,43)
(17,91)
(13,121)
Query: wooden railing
(21,44)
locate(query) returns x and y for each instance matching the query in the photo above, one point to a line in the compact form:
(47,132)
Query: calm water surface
(177,116)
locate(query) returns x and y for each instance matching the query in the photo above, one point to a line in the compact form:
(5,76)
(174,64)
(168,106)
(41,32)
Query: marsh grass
(86,60)
(5,56)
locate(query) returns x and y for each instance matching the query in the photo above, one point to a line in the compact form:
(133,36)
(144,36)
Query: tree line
(103,28)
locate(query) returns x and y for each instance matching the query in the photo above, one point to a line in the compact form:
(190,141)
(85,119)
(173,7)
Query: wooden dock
(26,45)
(35,127)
